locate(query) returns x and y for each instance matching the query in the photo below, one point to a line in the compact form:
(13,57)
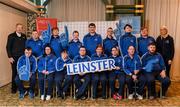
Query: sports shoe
(130,97)
(31,95)
(139,97)
(48,97)
(119,97)
(42,97)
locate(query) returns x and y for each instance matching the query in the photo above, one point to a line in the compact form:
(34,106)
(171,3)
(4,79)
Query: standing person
(165,46)
(15,48)
(144,41)
(109,42)
(92,40)
(36,44)
(99,76)
(55,42)
(46,70)
(26,66)
(62,80)
(132,68)
(154,68)
(81,87)
(126,40)
(117,73)
(74,45)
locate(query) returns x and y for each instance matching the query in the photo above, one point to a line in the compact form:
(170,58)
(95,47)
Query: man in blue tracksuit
(154,68)
(99,76)
(74,45)
(109,42)
(132,67)
(126,40)
(117,73)
(143,41)
(36,44)
(91,40)
(46,69)
(61,76)
(55,42)
(81,87)
(32,78)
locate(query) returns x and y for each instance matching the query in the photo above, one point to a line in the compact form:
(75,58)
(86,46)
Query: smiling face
(114,51)
(64,55)
(35,35)
(55,32)
(110,32)
(131,50)
(28,53)
(128,29)
(144,32)
(82,51)
(163,31)
(99,50)
(76,36)
(92,29)
(19,28)
(47,50)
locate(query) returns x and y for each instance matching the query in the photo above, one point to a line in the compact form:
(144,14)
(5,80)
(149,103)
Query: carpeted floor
(8,99)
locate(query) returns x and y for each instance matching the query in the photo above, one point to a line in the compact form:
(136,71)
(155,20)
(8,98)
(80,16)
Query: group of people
(139,61)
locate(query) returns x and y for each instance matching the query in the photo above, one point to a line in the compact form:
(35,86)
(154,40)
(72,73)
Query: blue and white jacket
(47,63)
(131,64)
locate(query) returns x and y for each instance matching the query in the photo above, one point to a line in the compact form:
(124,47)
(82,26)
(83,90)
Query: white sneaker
(130,97)
(140,97)
(42,97)
(48,97)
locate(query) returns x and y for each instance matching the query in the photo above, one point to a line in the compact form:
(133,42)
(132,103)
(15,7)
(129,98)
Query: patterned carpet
(7,99)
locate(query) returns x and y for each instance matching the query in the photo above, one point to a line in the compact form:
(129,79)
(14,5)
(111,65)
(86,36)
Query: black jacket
(165,46)
(15,45)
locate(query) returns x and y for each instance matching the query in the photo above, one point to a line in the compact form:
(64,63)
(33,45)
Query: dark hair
(132,46)
(82,47)
(54,28)
(142,28)
(47,45)
(100,46)
(110,28)
(28,48)
(127,25)
(64,51)
(75,32)
(153,44)
(91,24)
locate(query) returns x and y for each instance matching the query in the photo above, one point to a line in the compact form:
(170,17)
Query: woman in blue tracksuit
(81,87)
(126,40)
(55,42)
(46,70)
(24,61)
(36,44)
(117,73)
(61,76)
(99,76)
(132,67)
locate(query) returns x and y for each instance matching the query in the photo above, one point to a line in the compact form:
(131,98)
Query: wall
(8,19)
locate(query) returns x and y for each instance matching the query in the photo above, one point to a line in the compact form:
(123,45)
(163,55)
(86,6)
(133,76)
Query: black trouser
(14,73)
(168,67)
